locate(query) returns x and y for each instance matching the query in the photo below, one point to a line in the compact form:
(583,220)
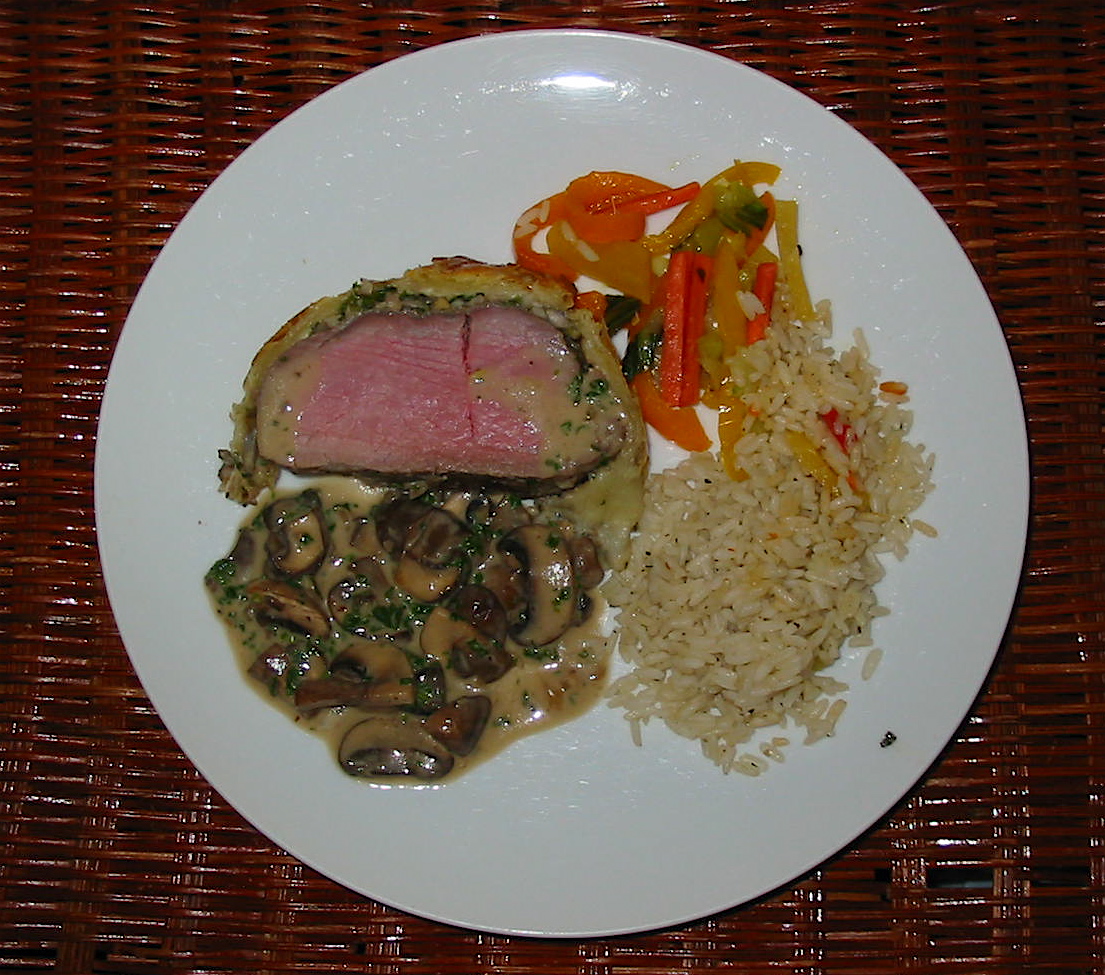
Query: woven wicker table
(118,858)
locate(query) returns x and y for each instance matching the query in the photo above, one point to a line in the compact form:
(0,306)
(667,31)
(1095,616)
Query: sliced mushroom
(363,540)
(371,660)
(448,636)
(317,693)
(505,576)
(297,539)
(427,542)
(287,606)
(460,724)
(479,606)
(359,603)
(270,667)
(386,745)
(585,561)
(425,583)
(552,591)
(497,512)
(428,684)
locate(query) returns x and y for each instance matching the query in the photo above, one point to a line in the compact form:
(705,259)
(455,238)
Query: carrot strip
(679,424)
(757,237)
(694,327)
(676,282)
(663,200)
(764,289)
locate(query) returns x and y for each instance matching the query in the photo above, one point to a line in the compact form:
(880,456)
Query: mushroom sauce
(419,633)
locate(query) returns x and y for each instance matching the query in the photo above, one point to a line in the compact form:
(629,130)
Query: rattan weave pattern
(117,858)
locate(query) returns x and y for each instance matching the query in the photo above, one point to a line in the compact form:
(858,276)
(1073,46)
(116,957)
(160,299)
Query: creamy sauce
(286,646)
(276,438)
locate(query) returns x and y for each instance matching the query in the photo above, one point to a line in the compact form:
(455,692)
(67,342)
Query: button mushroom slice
(371,660)
(459,724)
(391,745)
(297,537)
(428,543)
(270,667)
(497,512)
(505,576)
(585,561)
(428,683)
(552,590)
(425,583)
(363,539)
(284,604)
(479,606)
(319,693)
(359,604)
(480,653)
(448,636)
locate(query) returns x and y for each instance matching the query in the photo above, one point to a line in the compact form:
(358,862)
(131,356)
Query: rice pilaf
(739,593)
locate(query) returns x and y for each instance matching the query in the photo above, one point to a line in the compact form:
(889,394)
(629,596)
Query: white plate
(575,831)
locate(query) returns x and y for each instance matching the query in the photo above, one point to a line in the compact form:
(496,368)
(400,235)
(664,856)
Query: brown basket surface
(117,856)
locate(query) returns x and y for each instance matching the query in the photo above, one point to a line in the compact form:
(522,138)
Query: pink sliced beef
(494,392)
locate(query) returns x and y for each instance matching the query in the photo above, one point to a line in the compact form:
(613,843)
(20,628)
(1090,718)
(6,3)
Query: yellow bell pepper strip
(810,460)
(528,226)
(685,222)
(730,428)
(679,424)
(764,289)
(790,258)
(623,265)
(704,203)
(685,289)
(727,313)
(754,173)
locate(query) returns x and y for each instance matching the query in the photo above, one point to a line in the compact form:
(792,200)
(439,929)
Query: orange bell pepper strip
(594,302)
(526,228)
(679,424)
(764,289)
(604,207)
